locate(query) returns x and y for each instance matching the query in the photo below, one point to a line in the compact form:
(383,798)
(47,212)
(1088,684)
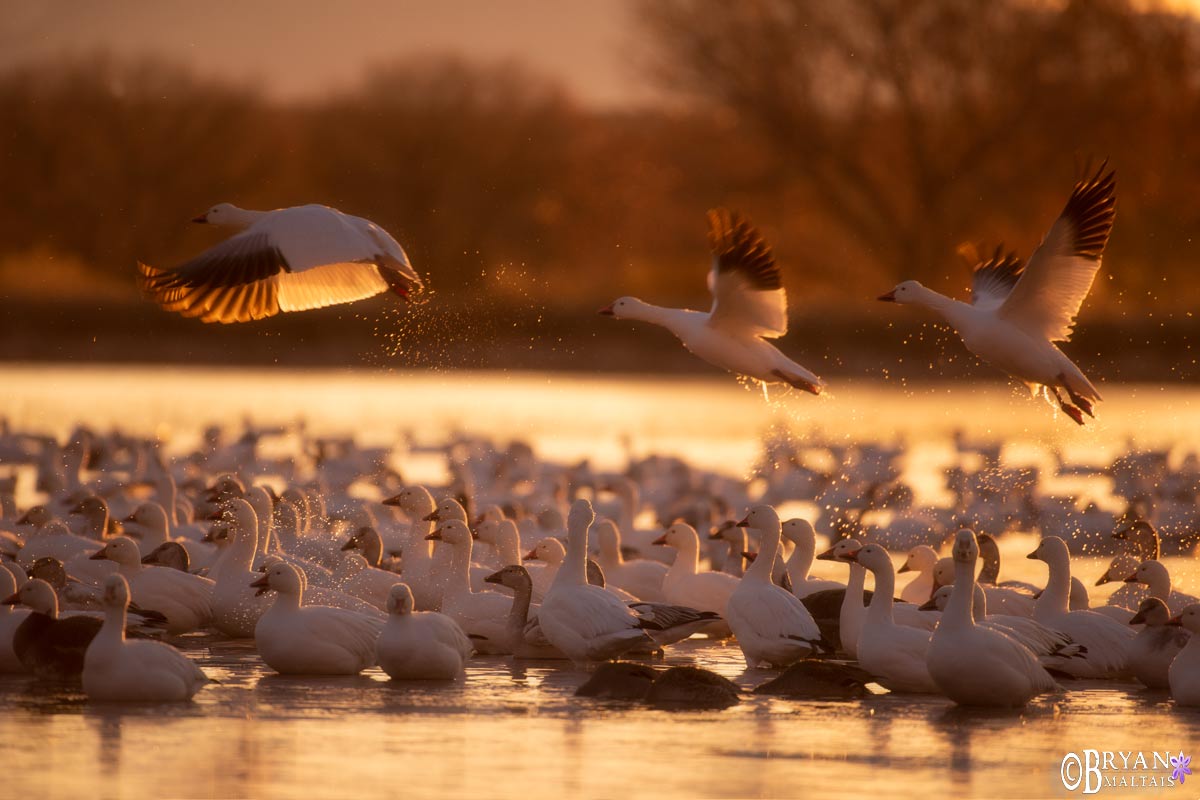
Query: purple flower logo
(1182,766)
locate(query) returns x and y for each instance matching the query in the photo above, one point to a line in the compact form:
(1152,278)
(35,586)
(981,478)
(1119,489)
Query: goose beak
(531,556)
(607,311)
(1103,579)
(97,556)
(130,518)
(660,541)
(263,585)
(827,555)
(1132,578)
(904,568)
(350,545)
(394,500)
(890,297)
(714,534)
(853,555)
(1138,619)
(749,556)
(928,605)
(493,578)
(745,523)
(432,516)
(1172,621)
(12,600)
(1033,555)
(436,536)
(201,220)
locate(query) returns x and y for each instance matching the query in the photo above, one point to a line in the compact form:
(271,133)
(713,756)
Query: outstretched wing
(1060,272)
(747,287)
(993,279)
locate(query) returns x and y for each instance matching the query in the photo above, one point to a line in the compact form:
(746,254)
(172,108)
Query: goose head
(625,308)
(728,531)
(280,577)
(412,500)
(966,547)
(943,572)
(453,532)
(580,517)
(874,557)
(169,554)
(905,292)
(1119,569)
(447,510)
(37,595)
(1189,618)
(841,551)
(116,592)
(37,517)
(514,576)
(120,549)
(799,532)
(921,558)
(607,536)
(941,596)
(1153,612)
(1149,573)
(761,518)
(51,570)
(224,214)
(400,600)
(680,536)
(549,550)
(1051,550)
(146,517)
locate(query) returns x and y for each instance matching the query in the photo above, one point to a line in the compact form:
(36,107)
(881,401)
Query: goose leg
(796,382)
(1068,409)
(1082,402)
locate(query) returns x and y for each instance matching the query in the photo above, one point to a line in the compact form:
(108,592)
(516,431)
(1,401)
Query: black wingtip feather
(1091,211)
(738,246)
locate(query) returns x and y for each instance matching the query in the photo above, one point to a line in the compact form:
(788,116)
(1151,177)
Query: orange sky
(307,47)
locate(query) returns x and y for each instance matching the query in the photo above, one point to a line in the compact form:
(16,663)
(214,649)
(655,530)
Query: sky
(307,48)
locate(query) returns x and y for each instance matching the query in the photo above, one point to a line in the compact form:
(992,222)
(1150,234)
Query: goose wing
(745,281)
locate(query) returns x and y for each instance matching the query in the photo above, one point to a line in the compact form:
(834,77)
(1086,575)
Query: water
(513,729)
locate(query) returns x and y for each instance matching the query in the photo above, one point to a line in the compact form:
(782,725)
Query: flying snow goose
(1107,641)
(420,645)
(294,639)
(1018,312)
(585,622)
(976,665)
(1184,674)
(141,670)
(894,654)
(749,307)
(289,259)
(1156,644)
(771,625)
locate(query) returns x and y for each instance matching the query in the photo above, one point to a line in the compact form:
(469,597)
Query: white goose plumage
(289,259)
(1016,314)
(749,307)
(420,645)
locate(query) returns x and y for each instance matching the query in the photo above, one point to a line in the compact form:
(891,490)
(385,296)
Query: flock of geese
(304,257)
(332,564)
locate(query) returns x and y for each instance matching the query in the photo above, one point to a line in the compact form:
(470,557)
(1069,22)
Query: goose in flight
(290,259)
(1018,311)
(749,307)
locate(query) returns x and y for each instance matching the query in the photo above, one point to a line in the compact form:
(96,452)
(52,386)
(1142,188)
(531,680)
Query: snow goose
(368,543)
(1001,599)
(586,622)
(1017,313)
(356,577)
(771,625)
(420,645)
(55,539)
(294,639)
(1107,641)
(1127,595)
(1156,644)
(893,654)
(550,553)
(975,665)
(184,599)
(684,583)
(732,561)
(1184,674)
(1045,643)
(749,307)
(134,671)
(48,646)
(643,578)
(10,621)
(989,573)
(417,503)
(483,615)
(169,554)
(503,537)
(1157,578)
(517,633)
(921,560)
(800,533)
(236,607)
(289,259)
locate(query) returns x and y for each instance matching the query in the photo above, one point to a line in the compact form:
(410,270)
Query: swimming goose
(420,645)
(894,654)
(518,630)
(504,539)
(1017,313)
(169,554)
(369,544)
(1000,599)
(749,307)
(1107,641)
(417,572)
(641,577)
(294,639)
(10,620)
(184,599)
(289,259)
(49,646)
(141,670)
(586,622)
(684,583)
(549,552)
(771,625)
(357,578)
(1156,644)
(921,559)
(1157,578)
(1184,674)
(480,614)
(236,607)
(800,533)
(1127,595)
(1044,643)
(975,665)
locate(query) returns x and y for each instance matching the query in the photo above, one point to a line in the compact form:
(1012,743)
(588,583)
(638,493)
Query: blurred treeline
(869,138)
